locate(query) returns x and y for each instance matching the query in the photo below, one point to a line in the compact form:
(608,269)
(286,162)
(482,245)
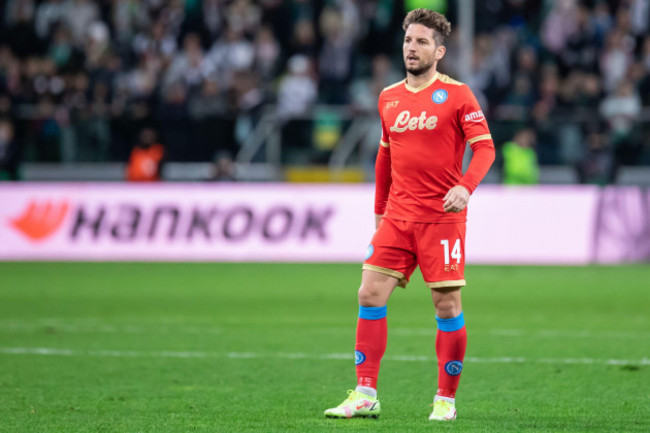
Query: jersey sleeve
(383,179)
(471,118)
(477,134)
(385,139)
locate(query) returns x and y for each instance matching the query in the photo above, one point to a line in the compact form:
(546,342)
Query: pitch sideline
(46,351)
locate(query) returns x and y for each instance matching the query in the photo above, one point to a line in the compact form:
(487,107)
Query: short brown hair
(436,21)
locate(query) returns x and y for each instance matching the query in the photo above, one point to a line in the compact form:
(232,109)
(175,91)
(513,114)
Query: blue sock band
(372,313)
(451,325)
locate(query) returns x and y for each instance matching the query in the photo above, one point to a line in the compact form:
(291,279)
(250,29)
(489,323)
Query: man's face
(420,50)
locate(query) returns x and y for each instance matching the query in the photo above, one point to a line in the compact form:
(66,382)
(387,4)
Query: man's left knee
(447,302)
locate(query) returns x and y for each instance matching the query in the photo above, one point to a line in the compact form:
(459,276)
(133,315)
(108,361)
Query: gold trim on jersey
(383,143)
(423,86)
(400,276)
(448,283)
(448,80)
(437,76)
(479,138)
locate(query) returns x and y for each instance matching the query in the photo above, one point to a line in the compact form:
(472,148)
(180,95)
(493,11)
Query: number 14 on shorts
(455,254)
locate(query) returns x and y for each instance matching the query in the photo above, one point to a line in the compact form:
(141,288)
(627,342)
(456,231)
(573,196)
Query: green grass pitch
(126,347)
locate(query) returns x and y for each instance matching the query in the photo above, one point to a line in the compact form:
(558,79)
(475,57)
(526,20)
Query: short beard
(417,71)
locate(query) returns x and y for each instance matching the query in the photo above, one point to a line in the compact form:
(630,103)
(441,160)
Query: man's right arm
(383,181)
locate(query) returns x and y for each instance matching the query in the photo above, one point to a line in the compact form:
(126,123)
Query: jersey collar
(422,87)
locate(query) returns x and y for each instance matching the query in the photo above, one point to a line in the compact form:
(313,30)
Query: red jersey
(144,163)
(424,134)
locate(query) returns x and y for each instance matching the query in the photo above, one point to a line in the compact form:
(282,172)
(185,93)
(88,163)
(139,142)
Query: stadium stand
(295,83)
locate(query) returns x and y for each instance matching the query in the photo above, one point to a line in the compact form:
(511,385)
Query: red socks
(371,344)
(451,342)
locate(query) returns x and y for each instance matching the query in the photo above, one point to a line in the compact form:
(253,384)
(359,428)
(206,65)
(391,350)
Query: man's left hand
(456,199)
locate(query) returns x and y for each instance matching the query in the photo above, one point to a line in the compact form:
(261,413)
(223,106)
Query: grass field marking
(541,333)
(563,333)
(93,325)
(98,328)
(498,360)
(46,351)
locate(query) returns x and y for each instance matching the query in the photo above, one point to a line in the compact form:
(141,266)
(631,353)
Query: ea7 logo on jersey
(392,104)
(404,121)
(476,116)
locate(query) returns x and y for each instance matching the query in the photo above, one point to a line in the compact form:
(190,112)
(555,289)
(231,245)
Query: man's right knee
(376,288)
(369,296)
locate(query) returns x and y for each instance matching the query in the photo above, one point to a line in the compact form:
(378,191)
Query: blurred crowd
(80,79)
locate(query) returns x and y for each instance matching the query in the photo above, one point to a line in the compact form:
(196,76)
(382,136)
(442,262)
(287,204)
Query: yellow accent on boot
(357,405)
(443,410)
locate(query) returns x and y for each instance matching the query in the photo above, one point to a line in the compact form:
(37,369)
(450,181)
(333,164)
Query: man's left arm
(477,134)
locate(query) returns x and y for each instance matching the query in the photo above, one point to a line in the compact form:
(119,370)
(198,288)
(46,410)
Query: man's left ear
(440,52)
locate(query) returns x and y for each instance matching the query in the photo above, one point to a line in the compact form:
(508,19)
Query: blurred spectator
(79,15)
(48,15)
(209,102)
(145,162)
(580,49)
(62,51)
(591,92)
(96,128)
(560,23)
(520,160)
(128,16)
(602,22)
(21,35)
(639,14)
(248,98)
(267,53)
(188,66)
(620,111)
(223,168)
(303,40)
(297,91)
(213,17)
(365,92)
(230,53)
(335,61)
(243,16)
(175,129)
(297,94)
(644,82)
(9,151)
(213,121)
(616,58)
(156,41)
(598,166)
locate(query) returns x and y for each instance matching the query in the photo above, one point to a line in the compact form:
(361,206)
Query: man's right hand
(378,220)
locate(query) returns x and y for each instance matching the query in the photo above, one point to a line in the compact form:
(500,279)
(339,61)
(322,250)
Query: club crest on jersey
(453,368)
(359,357)
(369,251)
(439,96)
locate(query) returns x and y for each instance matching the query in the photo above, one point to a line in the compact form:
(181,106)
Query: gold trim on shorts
(400,276)
(447,283)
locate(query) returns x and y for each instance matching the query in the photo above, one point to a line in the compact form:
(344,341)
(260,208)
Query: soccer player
(420,210)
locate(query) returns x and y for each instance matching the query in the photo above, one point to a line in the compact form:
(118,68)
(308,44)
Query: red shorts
(439,249)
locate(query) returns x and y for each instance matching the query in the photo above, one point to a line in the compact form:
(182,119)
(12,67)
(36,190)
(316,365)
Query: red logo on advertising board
(41,219)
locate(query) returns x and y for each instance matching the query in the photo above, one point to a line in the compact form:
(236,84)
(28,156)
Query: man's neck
(416,81)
